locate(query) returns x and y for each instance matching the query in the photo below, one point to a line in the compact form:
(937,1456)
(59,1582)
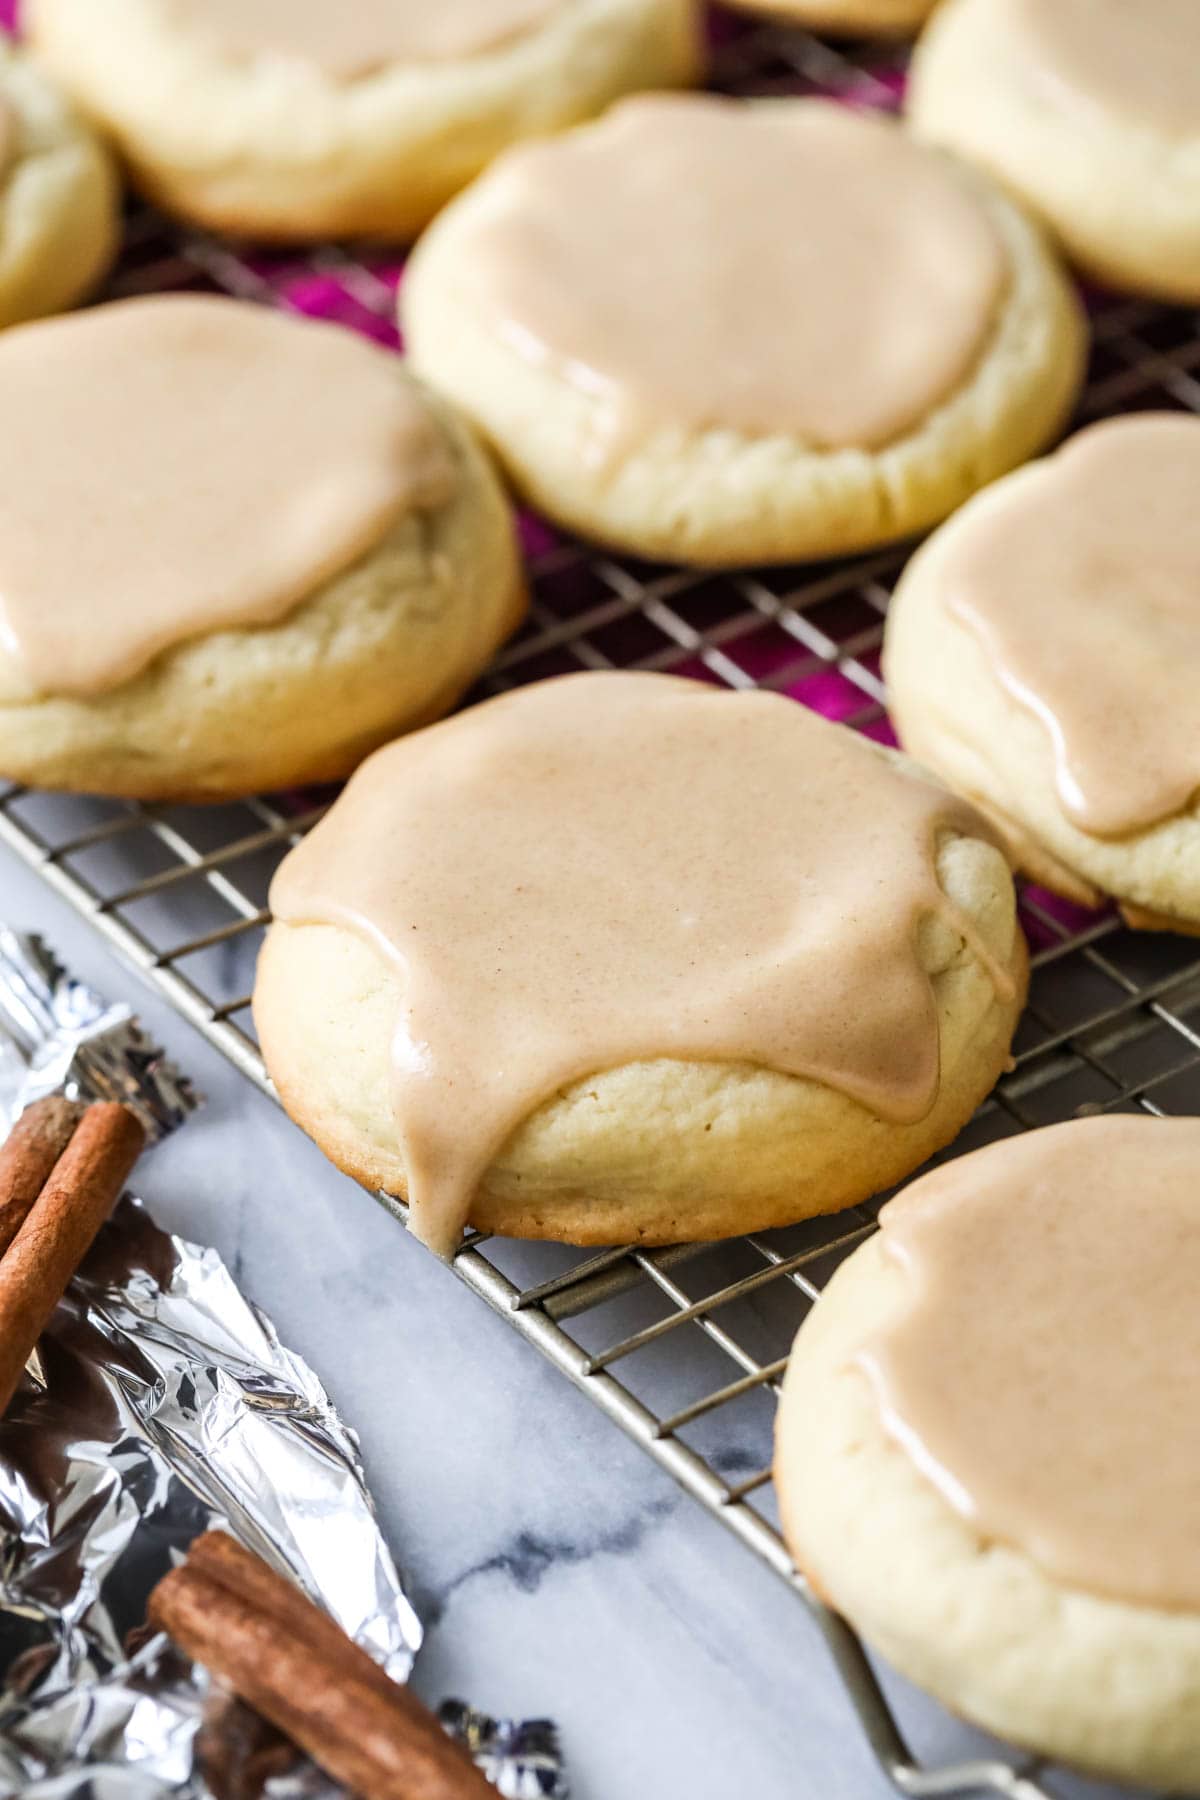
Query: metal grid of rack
(1113,1019)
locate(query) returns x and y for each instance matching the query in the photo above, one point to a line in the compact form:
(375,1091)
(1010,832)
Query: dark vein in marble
(526,1559)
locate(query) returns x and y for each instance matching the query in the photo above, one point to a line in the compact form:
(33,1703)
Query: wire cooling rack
(683,1347)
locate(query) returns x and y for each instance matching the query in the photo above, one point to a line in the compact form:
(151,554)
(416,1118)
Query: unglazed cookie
(58,196)
(294,119)
(886,18)
(1089,110)
(729,331)
(983,1452)
(614,957)
(1042,654)
(237,550)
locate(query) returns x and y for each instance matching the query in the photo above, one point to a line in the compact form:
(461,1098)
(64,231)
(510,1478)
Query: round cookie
(667,369)
(486,995)
(883,18)
(58,196)
(1032,1566)
(238,550)
(292,119)
(1089,111)
(1041,656)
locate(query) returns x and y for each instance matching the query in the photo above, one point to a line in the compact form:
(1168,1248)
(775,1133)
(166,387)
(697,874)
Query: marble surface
(558,1570)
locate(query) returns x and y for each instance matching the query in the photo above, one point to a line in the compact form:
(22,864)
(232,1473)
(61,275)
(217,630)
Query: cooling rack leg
(866,1696)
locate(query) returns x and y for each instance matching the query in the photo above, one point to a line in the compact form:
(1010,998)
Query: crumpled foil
(162,1402)
(521,1756)
(58,1036)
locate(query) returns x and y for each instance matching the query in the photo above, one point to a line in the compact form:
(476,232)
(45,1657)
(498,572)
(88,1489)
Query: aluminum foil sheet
(162,1402)
(57,1035)
(521,1756)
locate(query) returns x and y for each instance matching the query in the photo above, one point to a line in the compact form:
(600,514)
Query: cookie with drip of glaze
(982,1454)
(615,958)
(1041,656)
(279,551)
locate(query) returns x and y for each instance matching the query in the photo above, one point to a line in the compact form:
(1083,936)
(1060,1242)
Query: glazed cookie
(615,957)
(58,196)
(294,119)
(238,550)
(1089,111)
(884,18)
(983,1454)
(1043,656)
(727,331)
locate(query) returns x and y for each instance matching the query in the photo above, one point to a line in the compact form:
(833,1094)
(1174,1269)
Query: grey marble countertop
(558,1570)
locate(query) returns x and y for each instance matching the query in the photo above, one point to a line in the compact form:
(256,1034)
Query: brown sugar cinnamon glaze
(607,868)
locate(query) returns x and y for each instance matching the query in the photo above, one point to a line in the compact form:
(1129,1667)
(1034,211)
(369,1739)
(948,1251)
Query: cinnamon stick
(75,1199)
(247,1576)
(28,1154)
(289,1661)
